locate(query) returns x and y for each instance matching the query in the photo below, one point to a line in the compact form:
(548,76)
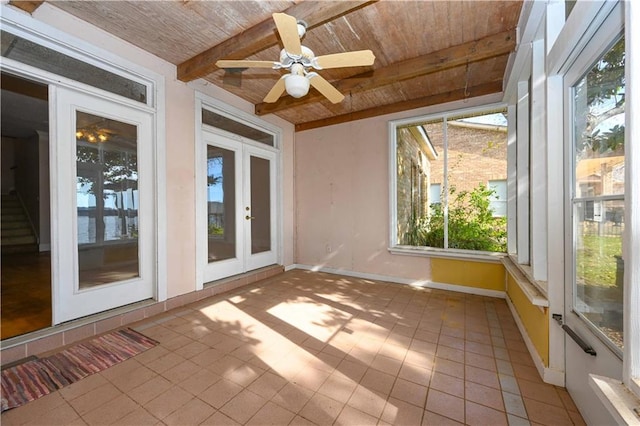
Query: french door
(595,89)
(102,205)
(240,207)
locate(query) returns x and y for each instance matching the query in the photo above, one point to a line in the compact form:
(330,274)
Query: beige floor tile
(484,395)
(480,415)
(368,401)
(386,364)
(451,354)
(167,402)
(338,387)
(83,386)
(321,409)
(480,361)
(541,392)
(433,419)
(378,381)
(446,405)
(292,397)
(192,413)
(448,384)
(111,412)
(220,393)
(409,392)
(245,374)
(539,412)
(198,383)
(311,378)
(415,374)
(397,412)
(481,376)
(149,390)
(219,419)
(181,371)
(63,414)
(271,414)
(301,421)
(351,416)
(243,406)
(398,342)
(138,417)
(94,398)
(267,385)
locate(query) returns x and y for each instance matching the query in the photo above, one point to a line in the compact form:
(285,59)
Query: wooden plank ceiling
(427,52)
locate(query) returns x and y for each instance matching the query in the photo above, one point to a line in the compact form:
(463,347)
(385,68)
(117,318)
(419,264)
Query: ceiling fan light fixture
(296,85)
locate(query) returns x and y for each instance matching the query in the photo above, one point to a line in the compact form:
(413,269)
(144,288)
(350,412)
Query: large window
(598,197)
(450,182)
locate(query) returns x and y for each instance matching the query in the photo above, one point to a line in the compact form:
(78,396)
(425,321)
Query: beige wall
(179,116)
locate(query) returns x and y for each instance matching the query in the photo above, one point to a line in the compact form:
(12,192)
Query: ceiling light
(296,85)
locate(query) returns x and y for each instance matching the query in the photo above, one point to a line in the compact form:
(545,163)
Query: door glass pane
(106,199)
(221,203)
(599,121)
(260,206)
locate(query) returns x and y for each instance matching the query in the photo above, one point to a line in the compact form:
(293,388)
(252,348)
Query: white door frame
(204,101)
(69,301)
(607,362)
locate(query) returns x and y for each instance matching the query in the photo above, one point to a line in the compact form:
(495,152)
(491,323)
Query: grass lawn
(595,260)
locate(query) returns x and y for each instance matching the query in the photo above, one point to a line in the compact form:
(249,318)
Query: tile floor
(306,348)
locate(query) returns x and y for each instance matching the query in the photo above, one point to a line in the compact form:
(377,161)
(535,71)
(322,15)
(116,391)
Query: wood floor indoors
(308,348)
(26,293)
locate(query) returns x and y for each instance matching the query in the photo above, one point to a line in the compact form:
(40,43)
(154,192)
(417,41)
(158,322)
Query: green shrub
(471,225)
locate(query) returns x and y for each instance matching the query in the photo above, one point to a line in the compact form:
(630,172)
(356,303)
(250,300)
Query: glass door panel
(106,200)
(598,195)
(221,204)
(260,205)
(103,205)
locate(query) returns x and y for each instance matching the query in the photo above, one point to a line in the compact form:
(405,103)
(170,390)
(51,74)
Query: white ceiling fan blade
(276,91)
(347,59)
(324,87)
(229,63)
(288,29)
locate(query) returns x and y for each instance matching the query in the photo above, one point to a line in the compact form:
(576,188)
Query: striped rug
(33,379)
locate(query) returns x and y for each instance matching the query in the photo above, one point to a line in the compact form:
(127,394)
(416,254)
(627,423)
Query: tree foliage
(471,225)
(605,97)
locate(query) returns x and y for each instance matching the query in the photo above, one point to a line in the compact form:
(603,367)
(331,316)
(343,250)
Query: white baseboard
(548,375)
(44,247)
(398,280)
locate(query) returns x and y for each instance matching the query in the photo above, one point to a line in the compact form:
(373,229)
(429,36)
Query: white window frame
(451,112)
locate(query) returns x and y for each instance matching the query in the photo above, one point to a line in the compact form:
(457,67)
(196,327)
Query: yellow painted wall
(534,319)
(485,275)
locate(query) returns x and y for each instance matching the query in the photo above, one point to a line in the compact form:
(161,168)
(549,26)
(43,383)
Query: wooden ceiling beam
(478,50)
(440,98)
(263,36)
(27,6)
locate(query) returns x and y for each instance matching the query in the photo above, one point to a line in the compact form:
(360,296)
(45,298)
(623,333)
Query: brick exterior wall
(475,155)
(413,172)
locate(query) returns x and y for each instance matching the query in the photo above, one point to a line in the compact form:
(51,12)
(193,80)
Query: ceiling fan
(299,60)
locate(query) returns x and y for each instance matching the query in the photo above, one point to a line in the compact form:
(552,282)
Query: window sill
(447,254)
(532,291)
(623,405)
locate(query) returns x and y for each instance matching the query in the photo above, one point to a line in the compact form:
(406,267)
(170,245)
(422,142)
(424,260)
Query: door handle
(583,345)
(249,217)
